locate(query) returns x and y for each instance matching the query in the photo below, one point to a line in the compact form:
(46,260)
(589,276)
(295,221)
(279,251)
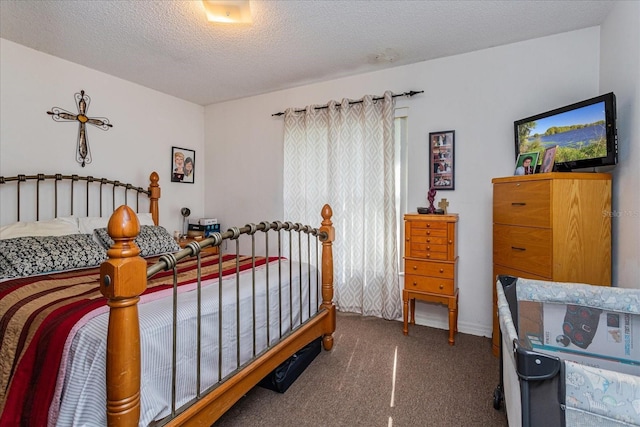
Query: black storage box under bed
(281,378)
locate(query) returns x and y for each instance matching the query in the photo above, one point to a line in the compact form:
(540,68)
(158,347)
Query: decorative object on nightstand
(443,204)
(210,225)
(431,196)
(554,226)
(430,266)
(185,214)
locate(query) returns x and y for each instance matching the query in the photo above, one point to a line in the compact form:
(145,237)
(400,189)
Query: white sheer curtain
(344,155)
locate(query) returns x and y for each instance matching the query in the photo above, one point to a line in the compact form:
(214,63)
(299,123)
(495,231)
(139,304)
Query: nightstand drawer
(523,248)
(522,203)
(444,270)
(428,284)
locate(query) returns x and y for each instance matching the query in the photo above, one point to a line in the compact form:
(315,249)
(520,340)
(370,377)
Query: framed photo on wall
(183,165)
(441,158)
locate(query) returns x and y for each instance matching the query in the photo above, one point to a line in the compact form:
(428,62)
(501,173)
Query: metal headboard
(94,187)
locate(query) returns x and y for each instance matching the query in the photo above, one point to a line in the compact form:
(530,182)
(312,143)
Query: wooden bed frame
(123,278)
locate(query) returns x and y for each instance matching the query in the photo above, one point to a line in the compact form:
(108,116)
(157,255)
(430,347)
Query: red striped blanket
(37,315)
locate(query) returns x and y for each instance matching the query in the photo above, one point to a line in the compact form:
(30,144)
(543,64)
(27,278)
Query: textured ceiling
(170,47)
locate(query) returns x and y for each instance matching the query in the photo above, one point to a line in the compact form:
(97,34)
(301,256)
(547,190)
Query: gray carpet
(353,385)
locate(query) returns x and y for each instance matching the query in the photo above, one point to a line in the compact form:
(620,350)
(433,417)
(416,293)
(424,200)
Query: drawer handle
(515,248)
(428,232)
(415,283)
(428,225)
(518,204)
(428,255)
(415,267)
(441,286)
(428,240)
(442,270)
(428,247)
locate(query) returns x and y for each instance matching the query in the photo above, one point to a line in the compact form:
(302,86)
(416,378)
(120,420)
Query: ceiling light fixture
(229,11)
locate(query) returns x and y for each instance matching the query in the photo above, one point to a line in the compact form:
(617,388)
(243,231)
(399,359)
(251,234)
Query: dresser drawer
(429,268)
(522,203)
(427,247)
(433,240)
(434,285)
(432,225)
(437,252)
(417,233)
(523,248)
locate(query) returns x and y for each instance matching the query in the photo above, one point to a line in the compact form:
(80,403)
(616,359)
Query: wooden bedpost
(154,189)
(327,275)
(123,277)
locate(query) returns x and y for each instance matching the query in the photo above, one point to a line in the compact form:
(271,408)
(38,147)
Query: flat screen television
(585,133)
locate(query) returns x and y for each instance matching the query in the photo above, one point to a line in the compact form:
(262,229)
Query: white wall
(146,124)
(620,73)
(239,143)
(478,95)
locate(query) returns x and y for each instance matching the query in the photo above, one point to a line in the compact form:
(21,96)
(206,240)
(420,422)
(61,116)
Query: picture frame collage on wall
(183,165)
(441,158)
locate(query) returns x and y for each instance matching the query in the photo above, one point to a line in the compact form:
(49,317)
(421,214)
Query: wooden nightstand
(208,250)
(430,265)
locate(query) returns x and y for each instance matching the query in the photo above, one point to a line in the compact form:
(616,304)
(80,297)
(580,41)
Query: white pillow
(61,226)
(89,224)
(145,219)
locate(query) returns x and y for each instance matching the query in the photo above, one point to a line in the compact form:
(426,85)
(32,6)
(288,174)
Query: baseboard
(464,327)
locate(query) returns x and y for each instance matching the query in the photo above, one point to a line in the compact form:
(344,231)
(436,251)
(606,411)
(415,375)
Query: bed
(569,352)
(122,327)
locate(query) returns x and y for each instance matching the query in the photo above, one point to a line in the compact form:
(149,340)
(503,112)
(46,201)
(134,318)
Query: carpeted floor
(376,376)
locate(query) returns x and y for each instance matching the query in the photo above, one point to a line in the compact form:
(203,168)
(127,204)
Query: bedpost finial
(327,225)
(154,177)
(123,228)
(327,212)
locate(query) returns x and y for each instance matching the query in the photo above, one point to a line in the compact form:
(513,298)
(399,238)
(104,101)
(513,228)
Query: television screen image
(584,133)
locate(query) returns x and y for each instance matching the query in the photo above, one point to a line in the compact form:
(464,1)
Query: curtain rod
(407,94)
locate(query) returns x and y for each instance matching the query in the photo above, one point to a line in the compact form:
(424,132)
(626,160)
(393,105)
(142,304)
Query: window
(400,137)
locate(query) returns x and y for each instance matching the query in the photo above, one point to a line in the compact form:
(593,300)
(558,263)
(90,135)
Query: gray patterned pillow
(152,240)
(26,256)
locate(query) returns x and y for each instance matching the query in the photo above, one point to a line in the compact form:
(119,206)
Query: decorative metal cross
(442,204)
(83,155)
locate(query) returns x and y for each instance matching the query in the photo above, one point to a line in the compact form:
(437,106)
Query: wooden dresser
(430,265)
(552,226)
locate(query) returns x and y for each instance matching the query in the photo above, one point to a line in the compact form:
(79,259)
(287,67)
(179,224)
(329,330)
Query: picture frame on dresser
(526,163)
(548,159)
(183,162)
(442,160)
